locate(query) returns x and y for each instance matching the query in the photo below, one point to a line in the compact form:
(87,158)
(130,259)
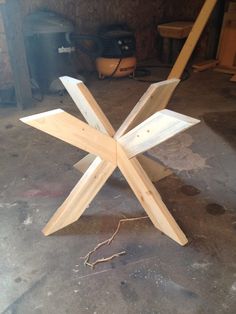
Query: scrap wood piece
(108,242)
(233,78)
(204,65)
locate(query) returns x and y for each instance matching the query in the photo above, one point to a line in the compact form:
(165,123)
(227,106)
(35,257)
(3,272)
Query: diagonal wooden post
(118,151)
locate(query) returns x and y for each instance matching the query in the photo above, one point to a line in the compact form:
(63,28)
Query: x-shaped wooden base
(148,125)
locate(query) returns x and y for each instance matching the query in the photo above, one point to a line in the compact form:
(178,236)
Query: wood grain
(156,129)
(71,130)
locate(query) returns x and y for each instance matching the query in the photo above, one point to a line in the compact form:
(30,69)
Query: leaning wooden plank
(158,128)
(192,39)
(81,196)
(149,197)
(156,98)
(87,105)
(68,128)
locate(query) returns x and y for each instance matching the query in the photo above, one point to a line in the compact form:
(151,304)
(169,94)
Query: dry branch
(108,242)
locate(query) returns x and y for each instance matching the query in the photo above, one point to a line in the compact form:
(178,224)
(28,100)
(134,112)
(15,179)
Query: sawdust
(177,154)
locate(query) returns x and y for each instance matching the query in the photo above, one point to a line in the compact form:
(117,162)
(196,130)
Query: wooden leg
(81,196)
(149,197)
(155,170)
(83,164)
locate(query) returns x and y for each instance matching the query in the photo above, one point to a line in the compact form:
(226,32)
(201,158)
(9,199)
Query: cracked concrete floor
(46,274)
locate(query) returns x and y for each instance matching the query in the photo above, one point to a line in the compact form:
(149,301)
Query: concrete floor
(46,274)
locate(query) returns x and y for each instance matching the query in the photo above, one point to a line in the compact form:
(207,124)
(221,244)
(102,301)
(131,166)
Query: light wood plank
(70,129)
(153,168)
(158,128)
(156,98)
(149,197)
(192,39)
(87,105)
(226,52)
(83,164)
(233,78)
(81,196)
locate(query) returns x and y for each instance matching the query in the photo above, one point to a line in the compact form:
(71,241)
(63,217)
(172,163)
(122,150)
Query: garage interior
(155,274)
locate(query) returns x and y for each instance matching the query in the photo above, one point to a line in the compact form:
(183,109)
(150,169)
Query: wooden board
(204,65)
(156,129)
(192,39)
(224,69)
(233,78)
(153,168)
(178,29)
(81,196)
(70,129)
(149,197)
(156,98)
(226,53)
(87,105)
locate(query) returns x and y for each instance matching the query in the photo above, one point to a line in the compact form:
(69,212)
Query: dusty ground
(47,275)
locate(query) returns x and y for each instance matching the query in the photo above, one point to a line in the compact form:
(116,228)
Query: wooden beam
(156,129)
(81,196)
(156,98)
(192,39)
(15,41)
(87,105)
(149,197)
(70,129)
(153,168)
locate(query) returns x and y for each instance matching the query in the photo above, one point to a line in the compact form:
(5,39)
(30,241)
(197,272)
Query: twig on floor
(108,242)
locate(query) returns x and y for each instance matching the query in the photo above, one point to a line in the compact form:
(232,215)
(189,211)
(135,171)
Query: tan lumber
(156,98)
(204,65)
(178,29)
(226,53)
(233,78)
(154,169)
(87,105)
(81,196)
(83,164)
(149,197)
(99,142)
(192,39)
(158,128)
(70,129)
(224,69)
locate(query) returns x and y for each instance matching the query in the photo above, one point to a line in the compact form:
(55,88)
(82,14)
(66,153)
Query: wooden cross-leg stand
(143,129)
